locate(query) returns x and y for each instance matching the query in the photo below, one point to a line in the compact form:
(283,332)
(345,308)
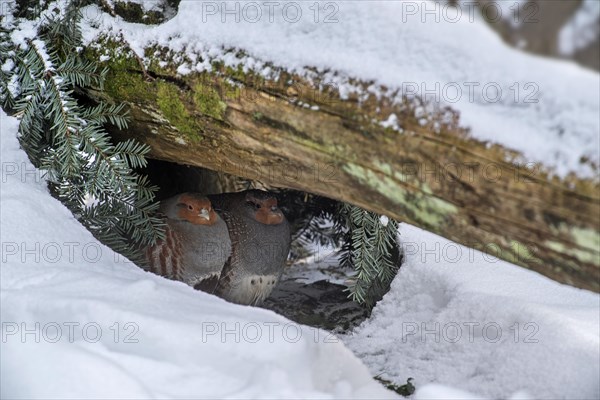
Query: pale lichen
(422,208)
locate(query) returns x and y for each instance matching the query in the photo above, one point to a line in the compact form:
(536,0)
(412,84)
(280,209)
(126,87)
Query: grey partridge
(196,245)
(260,242)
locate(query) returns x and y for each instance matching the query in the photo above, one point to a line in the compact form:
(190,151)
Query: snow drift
(79,321)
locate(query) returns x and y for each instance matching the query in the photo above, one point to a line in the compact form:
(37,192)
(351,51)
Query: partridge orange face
(196,210)
(267,211)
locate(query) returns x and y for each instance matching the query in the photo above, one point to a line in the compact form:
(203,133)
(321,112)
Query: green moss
(231,92)
(209,102)
(236,73)
(134,12)
(170,104)
(122,84)
(247,77)
(130,12)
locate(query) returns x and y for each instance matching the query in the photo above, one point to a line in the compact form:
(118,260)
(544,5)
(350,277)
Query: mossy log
(288,134)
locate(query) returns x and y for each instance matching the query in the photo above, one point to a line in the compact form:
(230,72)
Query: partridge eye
(253,204)
(190,207)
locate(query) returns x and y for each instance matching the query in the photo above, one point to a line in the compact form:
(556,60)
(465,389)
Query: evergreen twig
(68,140)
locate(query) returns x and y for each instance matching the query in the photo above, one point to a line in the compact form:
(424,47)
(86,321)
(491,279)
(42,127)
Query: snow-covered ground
(458,317)
(546,109)
(78,321)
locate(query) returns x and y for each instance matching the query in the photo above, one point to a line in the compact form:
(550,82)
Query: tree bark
(431,176)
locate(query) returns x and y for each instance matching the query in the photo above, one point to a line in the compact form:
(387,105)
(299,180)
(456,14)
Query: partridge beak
(204,214)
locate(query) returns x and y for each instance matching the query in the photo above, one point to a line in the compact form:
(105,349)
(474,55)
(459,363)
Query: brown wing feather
(164,258)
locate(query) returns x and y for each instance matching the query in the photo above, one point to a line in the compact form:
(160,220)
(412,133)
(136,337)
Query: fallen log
(290,134)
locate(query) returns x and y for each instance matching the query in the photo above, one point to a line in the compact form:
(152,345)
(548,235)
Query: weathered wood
(441,181)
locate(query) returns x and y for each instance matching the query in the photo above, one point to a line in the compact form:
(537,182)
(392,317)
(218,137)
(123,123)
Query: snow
(581,30)
(384,220)
(79,321)
(322,264)
(510,11)
(546,109)
(441,392)
(8,65)
(461,318)
(40,48)
(392,123)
